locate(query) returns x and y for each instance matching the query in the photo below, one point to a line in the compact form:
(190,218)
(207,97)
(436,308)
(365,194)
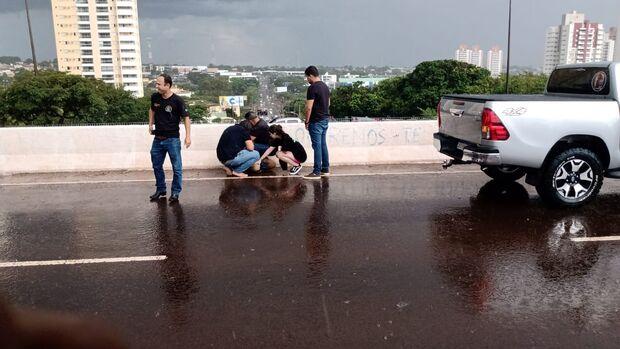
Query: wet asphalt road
(447,260)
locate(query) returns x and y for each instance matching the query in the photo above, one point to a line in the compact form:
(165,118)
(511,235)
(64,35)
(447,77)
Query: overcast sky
(321,32)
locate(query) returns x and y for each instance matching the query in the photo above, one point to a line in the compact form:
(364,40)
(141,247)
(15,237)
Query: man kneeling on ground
(259,131)
(235,151)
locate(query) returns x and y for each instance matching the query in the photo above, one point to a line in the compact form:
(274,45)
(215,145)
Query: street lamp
(508,58)
(34,56)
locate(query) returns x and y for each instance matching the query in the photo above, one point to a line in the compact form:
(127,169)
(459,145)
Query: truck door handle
(457,112)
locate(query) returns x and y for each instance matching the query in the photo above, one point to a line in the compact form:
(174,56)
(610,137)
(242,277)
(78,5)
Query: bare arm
(266,154)
(188,131)
(151,120)
(309,104)
(249,145)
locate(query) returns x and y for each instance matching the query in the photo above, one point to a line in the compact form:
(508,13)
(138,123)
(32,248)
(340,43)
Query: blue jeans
(172,146)
(261,148)
(318,136)
(244,160)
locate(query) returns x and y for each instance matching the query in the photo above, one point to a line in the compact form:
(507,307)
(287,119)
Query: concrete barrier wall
(100,148)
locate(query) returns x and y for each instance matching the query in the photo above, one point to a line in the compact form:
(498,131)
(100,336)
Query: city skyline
(283,33)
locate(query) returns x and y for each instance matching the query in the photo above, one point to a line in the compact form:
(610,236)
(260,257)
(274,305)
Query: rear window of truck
(584,81)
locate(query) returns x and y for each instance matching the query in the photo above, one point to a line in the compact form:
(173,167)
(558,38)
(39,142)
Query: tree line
(417,93)
(55,98)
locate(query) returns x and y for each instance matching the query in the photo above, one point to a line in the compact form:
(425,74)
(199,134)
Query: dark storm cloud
(327,32)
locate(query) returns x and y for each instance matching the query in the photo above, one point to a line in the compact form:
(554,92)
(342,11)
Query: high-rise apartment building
(577,40)
(475,56)
(495,60)
(463,54)
(100,39)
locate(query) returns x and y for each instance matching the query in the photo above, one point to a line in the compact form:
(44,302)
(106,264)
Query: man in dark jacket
(235,150)
(259,131)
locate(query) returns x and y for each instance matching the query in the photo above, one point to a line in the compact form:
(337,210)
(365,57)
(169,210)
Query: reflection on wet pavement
(178,275)
(411,261)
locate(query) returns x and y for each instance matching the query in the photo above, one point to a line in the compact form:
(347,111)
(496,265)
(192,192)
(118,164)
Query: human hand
(188,142)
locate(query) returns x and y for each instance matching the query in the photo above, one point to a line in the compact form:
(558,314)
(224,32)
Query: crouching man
(235,150)
(259,131)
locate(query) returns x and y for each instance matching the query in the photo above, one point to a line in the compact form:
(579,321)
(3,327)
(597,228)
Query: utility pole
(34,56)
(508,59)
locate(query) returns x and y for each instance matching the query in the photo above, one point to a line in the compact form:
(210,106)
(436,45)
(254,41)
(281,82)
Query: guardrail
(103,148)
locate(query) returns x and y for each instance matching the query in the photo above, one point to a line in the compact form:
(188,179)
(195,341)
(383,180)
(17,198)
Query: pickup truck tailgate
(462,118)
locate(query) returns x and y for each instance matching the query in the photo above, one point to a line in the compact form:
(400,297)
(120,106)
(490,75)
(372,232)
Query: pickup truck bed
(525,98)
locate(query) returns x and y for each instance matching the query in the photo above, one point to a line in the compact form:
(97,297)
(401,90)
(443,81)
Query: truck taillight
(492,127)
(439,113)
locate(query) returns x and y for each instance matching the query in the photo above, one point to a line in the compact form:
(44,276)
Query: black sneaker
(295,170)
(325,173)
(157,195)
(174,198)
(313,176)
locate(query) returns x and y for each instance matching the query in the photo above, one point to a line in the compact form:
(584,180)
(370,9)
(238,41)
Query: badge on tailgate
(515,111)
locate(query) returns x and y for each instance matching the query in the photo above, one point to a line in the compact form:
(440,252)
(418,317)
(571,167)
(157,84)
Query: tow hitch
(452,162)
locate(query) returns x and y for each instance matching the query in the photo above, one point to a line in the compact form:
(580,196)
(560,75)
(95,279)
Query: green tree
(356,100)
(245,87)
(431,80)
(294,84)
(59,98)
(214,87)
(413,94)
(5,80)
(526,83)
(340,105)
(9,59)
(197,111)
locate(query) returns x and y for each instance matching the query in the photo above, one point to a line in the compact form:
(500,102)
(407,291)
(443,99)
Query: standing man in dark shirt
(167,111)
(317,121)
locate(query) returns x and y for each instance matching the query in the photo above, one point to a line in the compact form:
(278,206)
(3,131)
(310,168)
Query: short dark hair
(167,79)
(250,115)
(311,71)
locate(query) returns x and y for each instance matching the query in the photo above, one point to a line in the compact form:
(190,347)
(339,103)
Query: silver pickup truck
(564,141)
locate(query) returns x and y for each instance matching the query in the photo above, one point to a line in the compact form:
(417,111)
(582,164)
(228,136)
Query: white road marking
(81,261)
(596,239)
(203,179)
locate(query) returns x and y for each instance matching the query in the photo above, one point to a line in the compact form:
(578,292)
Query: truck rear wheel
(504,173)
(571,179)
